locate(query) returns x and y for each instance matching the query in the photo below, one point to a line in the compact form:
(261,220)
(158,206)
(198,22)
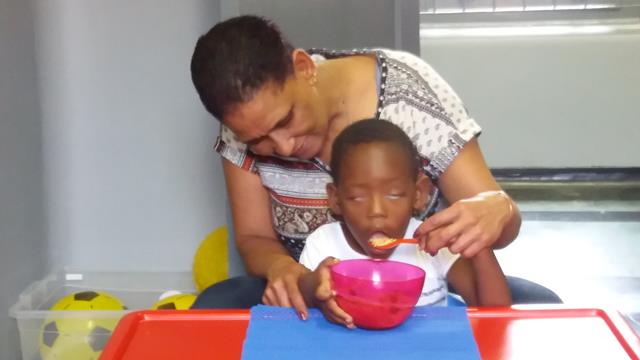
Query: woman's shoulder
(417,99)
(233,150)
(404,58)
(407,61)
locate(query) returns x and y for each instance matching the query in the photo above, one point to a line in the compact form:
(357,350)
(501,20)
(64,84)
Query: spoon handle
(396,242)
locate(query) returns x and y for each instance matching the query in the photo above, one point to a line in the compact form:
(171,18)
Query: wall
(548,101)
(342,24)
(568,92)
(23,247)
(131,177)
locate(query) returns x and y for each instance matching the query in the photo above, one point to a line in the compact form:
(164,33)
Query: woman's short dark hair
(369,131)
(235,59)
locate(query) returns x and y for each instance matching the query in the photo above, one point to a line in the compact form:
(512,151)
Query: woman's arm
(256,241)
(470,224)
(480,280)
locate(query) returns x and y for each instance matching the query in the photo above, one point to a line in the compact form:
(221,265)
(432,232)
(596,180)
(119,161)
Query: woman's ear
(332,197)
(423,191)
(304,66)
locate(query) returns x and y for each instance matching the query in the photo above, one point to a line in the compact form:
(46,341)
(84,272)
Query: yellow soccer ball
(82,334)
(175,302)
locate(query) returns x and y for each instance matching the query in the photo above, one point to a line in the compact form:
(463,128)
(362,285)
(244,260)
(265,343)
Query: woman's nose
(283,143)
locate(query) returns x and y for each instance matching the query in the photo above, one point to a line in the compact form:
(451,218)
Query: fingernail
(302,315)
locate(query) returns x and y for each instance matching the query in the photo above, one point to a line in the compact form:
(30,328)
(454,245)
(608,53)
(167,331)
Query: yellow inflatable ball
(175,302)
(211,261)
(82,334)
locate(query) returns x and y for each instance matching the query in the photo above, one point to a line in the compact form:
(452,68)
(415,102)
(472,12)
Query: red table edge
(128,324)
(621,329)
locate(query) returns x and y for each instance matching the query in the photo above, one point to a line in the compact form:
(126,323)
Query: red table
(501,333)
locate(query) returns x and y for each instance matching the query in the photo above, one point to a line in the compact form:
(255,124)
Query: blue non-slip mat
(430,333)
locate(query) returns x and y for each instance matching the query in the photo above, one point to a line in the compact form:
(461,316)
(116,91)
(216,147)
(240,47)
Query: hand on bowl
(316,287)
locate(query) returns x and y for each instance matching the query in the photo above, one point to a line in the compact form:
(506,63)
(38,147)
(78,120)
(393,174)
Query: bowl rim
(421,271)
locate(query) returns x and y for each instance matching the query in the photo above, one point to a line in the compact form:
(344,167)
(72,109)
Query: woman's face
(287,120)
(376,195)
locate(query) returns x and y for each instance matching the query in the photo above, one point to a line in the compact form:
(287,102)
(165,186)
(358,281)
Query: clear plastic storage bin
(79,332)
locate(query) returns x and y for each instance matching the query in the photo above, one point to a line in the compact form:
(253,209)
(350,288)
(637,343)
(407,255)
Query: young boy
(376,189)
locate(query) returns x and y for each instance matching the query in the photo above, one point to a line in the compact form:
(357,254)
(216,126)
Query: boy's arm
(309,284)
(480,280)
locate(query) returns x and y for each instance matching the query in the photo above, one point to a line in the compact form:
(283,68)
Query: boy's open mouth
(378,239)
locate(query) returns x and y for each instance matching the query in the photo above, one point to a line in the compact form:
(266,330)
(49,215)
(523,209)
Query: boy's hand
(325,296)
(317,292)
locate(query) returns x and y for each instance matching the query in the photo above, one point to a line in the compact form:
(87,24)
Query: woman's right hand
(257,243)
(282,285)
(264,255)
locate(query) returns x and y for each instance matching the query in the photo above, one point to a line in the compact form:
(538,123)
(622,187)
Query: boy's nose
(377,208)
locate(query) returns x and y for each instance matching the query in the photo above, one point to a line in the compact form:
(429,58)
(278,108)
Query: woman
(282,107)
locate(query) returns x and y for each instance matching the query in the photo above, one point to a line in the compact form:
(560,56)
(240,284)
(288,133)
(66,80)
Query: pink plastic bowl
(378,294)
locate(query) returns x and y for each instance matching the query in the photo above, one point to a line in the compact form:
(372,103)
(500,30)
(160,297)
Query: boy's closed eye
(396,196)
(357,198)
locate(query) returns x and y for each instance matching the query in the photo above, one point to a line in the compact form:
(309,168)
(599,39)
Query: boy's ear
(423,190)
(334,203)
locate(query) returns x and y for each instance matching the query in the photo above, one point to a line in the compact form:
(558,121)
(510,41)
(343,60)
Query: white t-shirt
(329,240)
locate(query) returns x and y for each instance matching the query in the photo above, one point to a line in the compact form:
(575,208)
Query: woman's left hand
(468,225)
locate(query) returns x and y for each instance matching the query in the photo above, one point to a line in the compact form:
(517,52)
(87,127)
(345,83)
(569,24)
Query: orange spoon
(388,243)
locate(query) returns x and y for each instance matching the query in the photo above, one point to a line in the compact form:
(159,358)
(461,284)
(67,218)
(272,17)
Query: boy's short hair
(368,131)
(235,59)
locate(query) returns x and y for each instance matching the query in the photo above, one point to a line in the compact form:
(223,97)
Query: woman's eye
(287,119)
(394,196)
(357,198)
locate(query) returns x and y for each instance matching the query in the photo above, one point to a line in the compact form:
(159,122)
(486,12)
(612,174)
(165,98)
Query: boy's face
(376,195)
